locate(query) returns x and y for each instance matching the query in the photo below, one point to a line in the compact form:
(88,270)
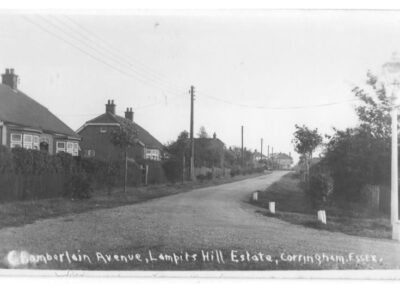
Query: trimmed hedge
(31,174)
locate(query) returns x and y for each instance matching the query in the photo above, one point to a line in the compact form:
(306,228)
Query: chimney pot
(110,107)
(10,79)
(129,114)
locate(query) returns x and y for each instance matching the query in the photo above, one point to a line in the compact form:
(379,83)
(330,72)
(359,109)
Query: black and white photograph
(206,141)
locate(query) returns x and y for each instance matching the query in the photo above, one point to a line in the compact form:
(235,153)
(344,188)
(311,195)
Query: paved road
(217,217)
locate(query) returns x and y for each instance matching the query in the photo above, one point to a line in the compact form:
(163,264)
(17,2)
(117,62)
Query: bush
(209,175)
(321,186)
(172,169)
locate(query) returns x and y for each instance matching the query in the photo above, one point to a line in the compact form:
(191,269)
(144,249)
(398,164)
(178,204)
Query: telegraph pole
(191,133)
(242,149)
(261,148)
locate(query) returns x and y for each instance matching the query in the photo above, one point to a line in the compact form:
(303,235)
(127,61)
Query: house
(258,157)
(97,137)
(281,161)
(209,152)
(26,123)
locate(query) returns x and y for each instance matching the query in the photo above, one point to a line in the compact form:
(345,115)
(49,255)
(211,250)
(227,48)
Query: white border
(191,7)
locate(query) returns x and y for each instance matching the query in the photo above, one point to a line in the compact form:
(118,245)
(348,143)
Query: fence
(212,172)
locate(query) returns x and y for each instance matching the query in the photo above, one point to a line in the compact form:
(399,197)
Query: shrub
(321,186)
(209,175)
(172,169)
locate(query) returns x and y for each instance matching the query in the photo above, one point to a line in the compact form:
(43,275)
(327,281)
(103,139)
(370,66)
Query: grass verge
(26,212)
(294,206)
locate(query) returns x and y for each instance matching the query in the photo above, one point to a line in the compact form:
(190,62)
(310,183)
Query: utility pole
(261,148)
(268,152)
(191,133)
(242,149)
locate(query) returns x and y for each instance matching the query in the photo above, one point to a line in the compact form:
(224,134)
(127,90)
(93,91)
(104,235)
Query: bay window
(16,140)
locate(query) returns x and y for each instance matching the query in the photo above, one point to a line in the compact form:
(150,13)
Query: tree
(124,137)
(360,155)
(374,111)
(202,133)
(179,149)
(306,141)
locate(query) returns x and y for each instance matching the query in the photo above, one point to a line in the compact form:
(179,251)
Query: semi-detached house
(26,123)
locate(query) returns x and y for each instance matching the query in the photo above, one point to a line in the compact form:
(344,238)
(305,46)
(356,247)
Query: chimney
(215,135)
(10,79)
(110,107)
(129,114)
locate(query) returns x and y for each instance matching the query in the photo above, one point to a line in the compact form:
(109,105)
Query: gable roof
(144,136)
(18,108)
(282,156)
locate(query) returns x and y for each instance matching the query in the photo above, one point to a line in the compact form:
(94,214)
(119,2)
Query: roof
(18,108)
(209,140)
(282,156)
(144,136)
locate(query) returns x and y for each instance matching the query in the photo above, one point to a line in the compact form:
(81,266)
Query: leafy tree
(180,146)
(124,137)
(305,142)
(360,155)
(180,153)
(203,133)
(374,111)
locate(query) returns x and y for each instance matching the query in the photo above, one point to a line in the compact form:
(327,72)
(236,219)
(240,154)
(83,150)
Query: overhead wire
(96,57)
(118,53)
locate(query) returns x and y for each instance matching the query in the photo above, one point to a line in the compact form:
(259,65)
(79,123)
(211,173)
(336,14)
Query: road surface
(213,218)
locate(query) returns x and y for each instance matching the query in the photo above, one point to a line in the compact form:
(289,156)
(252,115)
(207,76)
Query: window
(35,143)
(90,153)
(152,154)
(60,146)
(28,139)
(75,150)
(103,130)
(16,140)
(70,147)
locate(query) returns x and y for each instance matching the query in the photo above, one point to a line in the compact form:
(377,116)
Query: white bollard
(255,196)
(322,216)
(271,207)
(396,231)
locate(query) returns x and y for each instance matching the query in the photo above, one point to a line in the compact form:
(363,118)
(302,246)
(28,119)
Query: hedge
(31,174)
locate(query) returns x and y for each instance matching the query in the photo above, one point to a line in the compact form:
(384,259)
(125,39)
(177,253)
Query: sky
(265,70)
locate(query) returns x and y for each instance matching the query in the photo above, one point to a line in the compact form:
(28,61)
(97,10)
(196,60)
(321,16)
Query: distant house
(282,161)
(26,123)
(97,137)
(209,152)
(257,156)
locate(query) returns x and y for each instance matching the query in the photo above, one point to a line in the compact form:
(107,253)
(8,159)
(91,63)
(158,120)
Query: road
(213,218)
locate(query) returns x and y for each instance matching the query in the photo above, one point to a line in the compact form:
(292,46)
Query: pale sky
(243,65)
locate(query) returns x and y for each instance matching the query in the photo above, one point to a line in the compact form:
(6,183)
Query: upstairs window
(90,153)
(103,130)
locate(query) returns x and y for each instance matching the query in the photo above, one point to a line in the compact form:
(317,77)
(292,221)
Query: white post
(255,196)
(271,206)
(394,211)
(322,216)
